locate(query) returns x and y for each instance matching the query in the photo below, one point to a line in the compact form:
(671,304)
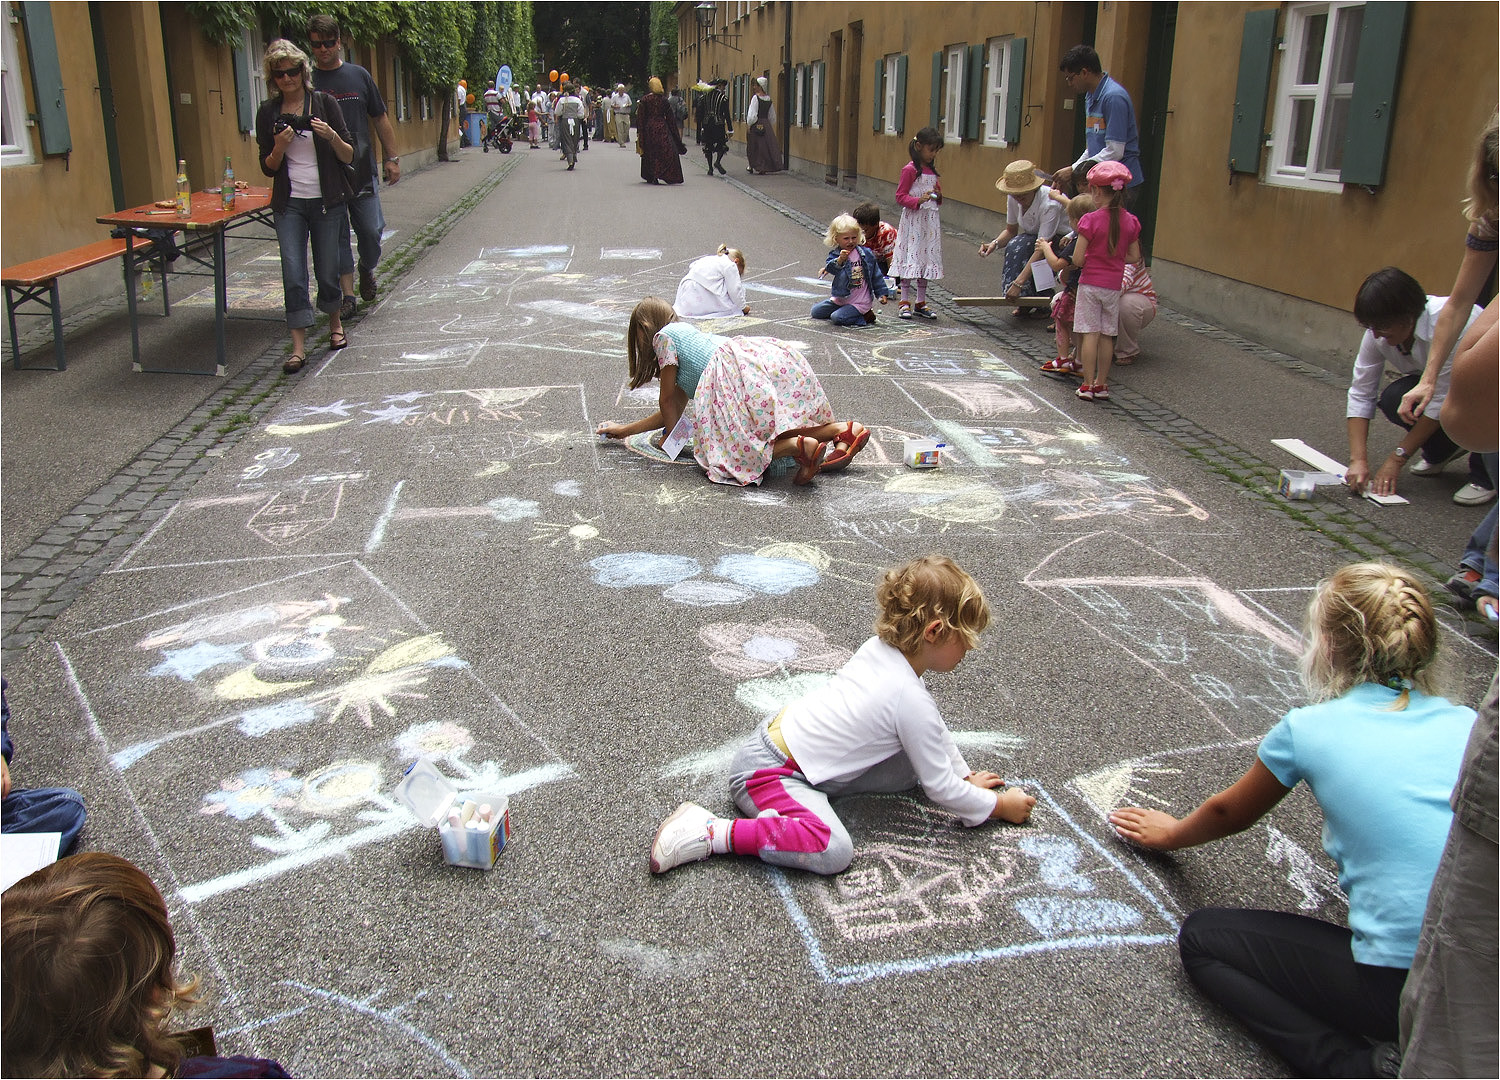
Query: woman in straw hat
(1031,213)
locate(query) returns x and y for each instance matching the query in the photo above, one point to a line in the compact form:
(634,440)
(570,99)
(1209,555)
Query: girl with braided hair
(1380,752)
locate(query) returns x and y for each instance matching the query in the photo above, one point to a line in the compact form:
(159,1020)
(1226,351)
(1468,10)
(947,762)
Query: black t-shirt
(359,98)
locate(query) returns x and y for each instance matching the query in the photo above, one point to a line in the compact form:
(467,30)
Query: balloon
(469,100)
(464,83)
(564,76)
(552,75)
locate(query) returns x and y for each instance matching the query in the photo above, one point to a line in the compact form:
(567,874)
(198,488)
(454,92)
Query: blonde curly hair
(1370,622)
(933,587)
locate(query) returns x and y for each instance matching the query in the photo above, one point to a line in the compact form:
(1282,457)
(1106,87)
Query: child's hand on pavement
(985,779)
(1013,805)
(1148,828)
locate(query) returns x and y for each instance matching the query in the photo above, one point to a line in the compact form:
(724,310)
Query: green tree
(431,38)
(595,43)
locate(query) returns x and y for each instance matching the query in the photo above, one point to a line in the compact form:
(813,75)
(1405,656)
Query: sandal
(293,364)
(904,311)
(337,340)
(924,312)
(852,442)
(808,461)
(1062,365)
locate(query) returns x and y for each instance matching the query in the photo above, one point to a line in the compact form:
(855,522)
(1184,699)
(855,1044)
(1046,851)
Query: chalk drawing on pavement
(981,399)
(923,359)
(212,694)
(632,254)
(741,576)
(1029,444)
(925,893)
(391,357)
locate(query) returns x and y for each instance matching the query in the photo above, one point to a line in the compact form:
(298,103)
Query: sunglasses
(317,44)
(286,73)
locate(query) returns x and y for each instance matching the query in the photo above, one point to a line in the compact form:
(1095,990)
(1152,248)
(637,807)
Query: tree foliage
(596,43)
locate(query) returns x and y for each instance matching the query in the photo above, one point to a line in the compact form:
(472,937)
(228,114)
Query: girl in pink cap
(1108,238)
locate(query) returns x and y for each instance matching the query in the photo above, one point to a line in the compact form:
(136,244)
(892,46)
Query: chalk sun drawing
(581,532)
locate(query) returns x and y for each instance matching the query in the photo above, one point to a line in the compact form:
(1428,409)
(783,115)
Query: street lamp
(704,13)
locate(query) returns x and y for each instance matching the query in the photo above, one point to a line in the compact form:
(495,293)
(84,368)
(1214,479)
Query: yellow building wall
(204,107)
(1312,244)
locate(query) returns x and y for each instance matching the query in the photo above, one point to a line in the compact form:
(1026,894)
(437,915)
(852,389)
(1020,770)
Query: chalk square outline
(849,974)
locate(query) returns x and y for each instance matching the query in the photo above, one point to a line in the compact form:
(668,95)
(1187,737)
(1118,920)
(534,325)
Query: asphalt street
(419,547)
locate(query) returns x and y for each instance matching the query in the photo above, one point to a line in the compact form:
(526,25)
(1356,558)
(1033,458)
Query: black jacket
(334,177)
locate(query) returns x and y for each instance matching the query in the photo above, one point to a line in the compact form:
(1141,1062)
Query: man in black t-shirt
(355,90)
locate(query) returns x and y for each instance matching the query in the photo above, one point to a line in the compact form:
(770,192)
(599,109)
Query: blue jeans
(303,219)
(33,810)
(839,314)
(1479,555)
(367,221)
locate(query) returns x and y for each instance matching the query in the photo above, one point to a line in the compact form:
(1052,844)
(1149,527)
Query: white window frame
(403,100)
(17,149)
(815,94)
(997,91)
(1325,97)
(888,120)
(799,83)
(255,63)
(953,93)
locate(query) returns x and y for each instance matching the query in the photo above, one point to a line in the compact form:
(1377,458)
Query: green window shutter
(1247,132)
(1377,72)
(244,107)
(935,109)
(1015,94)
(823,87)
(46,78)
(974,93)
(901,95)
(879,94)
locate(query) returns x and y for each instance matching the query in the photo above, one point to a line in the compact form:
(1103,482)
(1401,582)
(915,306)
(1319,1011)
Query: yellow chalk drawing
(244,685)
(304,429)
(949,498)
(417,650)
(556,532)
(814,556)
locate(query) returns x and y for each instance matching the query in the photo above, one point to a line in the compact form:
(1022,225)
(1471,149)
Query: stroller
(499,133)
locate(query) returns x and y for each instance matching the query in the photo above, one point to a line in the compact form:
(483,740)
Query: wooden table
(207,217)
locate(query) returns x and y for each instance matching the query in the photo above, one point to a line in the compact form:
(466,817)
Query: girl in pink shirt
(1108,238)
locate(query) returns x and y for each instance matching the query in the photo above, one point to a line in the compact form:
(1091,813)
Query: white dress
(711,289)
(919,236)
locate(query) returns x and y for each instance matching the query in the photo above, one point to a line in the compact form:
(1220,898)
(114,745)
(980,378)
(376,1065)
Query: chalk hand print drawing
(923,892)
(740,576)
(1210,643)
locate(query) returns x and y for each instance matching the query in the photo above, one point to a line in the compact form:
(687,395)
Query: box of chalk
(472,828)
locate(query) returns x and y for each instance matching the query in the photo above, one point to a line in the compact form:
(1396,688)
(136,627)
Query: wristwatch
(393,160)
(1402,452)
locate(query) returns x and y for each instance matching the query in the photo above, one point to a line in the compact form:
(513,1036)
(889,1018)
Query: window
(250,75)
(997,92)
(951,122)
(15,140)
(403,96)
(816,75)
(1313,95)
(893,72)
(799,95)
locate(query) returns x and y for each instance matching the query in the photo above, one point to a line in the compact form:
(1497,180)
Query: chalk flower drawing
(253,792)
(747,652)
(341,785)
(439,739)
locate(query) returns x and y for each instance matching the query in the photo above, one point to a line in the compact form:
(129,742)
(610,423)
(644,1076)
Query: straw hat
(1020,177)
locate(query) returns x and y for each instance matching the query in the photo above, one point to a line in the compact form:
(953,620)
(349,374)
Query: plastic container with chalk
(922,453)
(434,800)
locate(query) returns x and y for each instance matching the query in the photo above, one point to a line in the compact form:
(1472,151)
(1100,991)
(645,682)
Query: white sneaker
(1424,467)
(1473,495)
(682,838)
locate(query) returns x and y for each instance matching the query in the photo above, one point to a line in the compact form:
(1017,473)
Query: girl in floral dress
(754,399)
(919,237)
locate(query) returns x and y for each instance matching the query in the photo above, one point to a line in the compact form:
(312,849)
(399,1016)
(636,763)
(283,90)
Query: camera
(295,121)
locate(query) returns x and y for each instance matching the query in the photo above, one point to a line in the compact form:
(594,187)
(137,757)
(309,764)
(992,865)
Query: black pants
(1294,983)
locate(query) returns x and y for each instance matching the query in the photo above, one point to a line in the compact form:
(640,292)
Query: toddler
(879,236)
(857,279)
(1108,238)
(1060,259)
(872,728)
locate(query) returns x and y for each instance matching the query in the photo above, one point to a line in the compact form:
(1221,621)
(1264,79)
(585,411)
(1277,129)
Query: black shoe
(366,285)
(722,171)
(710,168)
(348,307)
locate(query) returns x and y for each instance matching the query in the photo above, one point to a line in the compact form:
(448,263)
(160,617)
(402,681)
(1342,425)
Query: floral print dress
(745,391)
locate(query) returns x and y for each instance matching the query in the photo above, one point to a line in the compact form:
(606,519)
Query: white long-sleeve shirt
(711,289)
(873,708)
(1375,356)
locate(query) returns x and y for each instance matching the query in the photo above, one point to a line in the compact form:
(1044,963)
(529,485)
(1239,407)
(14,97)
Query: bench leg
(10,315)
(135,333)
(38,294)
(57,330)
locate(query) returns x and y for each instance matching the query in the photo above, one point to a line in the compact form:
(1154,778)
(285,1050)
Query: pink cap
(1110,174)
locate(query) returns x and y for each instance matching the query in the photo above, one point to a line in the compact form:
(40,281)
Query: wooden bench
(35,283)
(1002,301)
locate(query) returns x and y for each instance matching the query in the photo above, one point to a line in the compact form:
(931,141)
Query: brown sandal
(293,364)
(851,441)
(808,463)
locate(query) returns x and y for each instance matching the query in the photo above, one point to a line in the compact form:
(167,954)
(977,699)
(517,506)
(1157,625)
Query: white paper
(672,445)
(1319,460)
(26,853)
(1043,277)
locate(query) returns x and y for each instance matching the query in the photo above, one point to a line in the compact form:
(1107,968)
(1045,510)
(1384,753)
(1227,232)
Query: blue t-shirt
(1382,779)
(689,349)
(1110,117)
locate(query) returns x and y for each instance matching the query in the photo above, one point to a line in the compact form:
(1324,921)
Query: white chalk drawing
(278,457)
(217,684)
(377,1025)
(777,290)
(388,357)
(631,254)
(743,575)
(925,893)
(983,399)
(295,513)
(580,532)
(1036,444)
(749,651)
(605,314)
(1195,634)
(1316,883)
(920,358)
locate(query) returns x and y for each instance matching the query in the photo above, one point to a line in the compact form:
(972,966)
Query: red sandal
(808,462)
(852,443)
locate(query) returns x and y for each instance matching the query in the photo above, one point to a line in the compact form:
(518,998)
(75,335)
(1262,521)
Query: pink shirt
(1100,268)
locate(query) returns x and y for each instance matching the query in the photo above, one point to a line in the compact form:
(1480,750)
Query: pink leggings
(921,288)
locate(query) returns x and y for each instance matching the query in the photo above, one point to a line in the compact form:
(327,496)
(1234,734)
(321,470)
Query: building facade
(1290,149)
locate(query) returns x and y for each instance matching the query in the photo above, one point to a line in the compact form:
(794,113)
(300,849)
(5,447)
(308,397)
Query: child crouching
(872,728)
(857,279)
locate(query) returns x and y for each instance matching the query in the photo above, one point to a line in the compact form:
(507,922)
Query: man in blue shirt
(1109,129)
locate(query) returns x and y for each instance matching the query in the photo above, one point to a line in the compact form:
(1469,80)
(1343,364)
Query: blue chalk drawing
(695,593)
(1056,917)
(776,290)
(1058,858)
(268,718)
(768,575)
(187,664)
(568,489)
(1059,921)
(643,568)
(252,792)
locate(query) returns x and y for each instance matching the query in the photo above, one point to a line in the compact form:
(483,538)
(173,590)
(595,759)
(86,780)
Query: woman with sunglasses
(305,149)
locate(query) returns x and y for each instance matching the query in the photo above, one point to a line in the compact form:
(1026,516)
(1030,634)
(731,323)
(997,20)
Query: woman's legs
(328,228)
(1294,983)
(1017,266)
